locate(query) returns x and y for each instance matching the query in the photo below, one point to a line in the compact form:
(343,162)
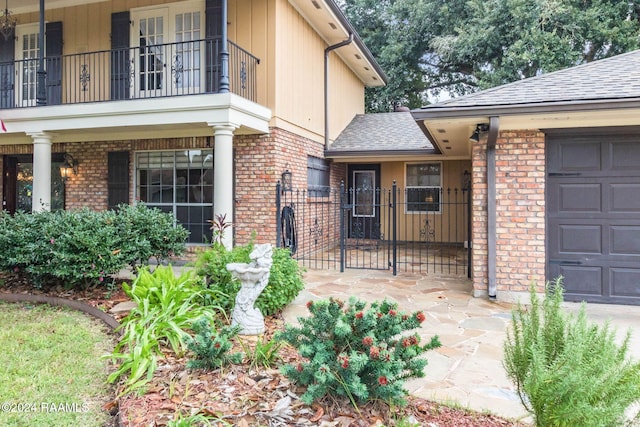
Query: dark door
(10,168)
(18,183)
(593,216)
(364,199)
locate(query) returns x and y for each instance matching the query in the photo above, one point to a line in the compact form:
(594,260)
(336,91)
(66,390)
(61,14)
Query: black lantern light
(287,183)
(70,165)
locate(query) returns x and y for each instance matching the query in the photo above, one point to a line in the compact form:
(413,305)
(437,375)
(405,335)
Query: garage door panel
(580,157)
(625,156)
(581,280)
(625,240)
(584,239)
(593,216)
(624,197)
(580,198)
(626,282)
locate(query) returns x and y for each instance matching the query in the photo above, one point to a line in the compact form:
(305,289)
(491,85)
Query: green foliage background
(434,47)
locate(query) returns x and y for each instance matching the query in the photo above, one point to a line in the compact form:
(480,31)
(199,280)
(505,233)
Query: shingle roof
(396,131)
(615,78)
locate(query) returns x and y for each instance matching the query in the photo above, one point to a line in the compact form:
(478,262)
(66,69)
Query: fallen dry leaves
(241,396)
(246,397)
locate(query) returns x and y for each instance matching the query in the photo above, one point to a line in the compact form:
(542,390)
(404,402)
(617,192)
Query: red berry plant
(354,351)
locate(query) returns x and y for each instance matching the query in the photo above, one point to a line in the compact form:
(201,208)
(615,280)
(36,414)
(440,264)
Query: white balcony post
(223,177)
(41,197)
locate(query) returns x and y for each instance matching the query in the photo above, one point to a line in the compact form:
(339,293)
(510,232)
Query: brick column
(520,228)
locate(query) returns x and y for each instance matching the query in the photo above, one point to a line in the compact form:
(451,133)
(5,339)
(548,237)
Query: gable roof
(381,133)
(615,79)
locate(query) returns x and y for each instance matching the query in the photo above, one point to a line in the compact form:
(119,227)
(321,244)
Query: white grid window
(180,182)
(424,186)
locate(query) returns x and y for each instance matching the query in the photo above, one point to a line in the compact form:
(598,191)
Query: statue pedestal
(253,277)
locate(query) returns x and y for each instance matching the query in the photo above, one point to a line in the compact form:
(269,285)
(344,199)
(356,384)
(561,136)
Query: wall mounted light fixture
(287,183)
(480,128)
(70,165)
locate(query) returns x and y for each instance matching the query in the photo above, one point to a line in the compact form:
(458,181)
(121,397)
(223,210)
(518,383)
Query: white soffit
(328,26)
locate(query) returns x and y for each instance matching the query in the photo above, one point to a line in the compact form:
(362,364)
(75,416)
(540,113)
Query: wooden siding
(290,75)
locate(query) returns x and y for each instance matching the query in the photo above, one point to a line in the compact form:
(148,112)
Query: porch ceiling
(136,119)
(453,127)
(26,6)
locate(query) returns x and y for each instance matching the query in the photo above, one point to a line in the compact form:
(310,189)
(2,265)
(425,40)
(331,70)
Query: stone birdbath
(253,278)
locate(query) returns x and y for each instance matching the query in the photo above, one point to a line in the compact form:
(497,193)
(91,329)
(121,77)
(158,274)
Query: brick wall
(260,161)
(89,187)
(520,211)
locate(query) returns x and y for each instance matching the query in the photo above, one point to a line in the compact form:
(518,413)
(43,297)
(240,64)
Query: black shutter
(53,62)
(120,63)
(213,33)
(118,178)
(7,72)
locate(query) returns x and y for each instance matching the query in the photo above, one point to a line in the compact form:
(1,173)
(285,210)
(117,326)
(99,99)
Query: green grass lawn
(51,371)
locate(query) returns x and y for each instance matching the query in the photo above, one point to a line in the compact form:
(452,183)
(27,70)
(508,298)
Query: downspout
(494,125)
(326,86)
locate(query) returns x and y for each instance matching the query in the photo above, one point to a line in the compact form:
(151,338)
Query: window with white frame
(318,175)
(180,182)
(423,185)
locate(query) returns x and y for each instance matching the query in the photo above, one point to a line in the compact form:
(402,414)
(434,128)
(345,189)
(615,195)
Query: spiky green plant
(567,371)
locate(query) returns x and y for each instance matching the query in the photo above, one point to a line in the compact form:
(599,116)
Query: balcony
(157,71)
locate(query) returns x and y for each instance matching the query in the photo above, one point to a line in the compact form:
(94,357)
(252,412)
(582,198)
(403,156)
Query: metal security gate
(377,229)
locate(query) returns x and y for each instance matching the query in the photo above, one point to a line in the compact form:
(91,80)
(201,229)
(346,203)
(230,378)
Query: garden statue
(253,278)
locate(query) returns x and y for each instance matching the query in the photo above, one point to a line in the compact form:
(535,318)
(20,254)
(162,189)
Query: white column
(223,178)
(41,198)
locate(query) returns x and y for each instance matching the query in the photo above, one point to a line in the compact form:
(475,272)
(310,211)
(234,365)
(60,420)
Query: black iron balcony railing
(165,70)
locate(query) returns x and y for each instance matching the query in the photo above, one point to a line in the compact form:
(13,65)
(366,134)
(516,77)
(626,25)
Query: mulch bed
(242,395)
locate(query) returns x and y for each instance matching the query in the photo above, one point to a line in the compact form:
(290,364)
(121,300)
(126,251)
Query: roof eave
(330,154)
(356,38)
(436,112)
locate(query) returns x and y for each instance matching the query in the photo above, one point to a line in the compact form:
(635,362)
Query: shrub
(285,279)
(568,372)
(356,351)
(150,232)
(80,248)
(167,306)
(210,346)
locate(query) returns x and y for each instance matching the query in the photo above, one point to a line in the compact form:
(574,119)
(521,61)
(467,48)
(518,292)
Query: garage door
(593,216)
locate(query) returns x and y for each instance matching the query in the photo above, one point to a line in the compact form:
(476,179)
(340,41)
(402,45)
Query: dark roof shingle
(614,78)
(396,131)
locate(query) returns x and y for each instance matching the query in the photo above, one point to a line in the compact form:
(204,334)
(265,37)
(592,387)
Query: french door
(27,50)
(168,52)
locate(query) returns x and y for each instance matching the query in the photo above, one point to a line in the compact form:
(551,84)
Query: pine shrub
(567,371)
(354,351)
(212,347)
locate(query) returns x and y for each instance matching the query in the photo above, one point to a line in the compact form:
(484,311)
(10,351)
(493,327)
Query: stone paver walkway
(467,370)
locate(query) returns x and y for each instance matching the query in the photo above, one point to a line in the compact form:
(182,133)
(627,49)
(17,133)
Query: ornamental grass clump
(567,371)
(354,351)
